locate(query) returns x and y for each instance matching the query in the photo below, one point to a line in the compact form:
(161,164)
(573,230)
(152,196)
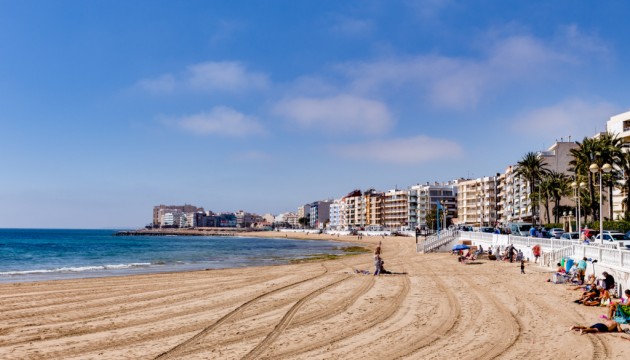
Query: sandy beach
(432,307)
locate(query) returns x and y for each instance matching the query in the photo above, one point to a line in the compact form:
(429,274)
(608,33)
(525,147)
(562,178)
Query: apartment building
(619,125)
(513,203)
(423,198)
(395,210)
(160,210)
(319,213)
(338,219)
(477,201)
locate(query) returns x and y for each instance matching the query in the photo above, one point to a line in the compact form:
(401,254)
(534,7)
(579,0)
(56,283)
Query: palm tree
(611,152)
(543,194)
(582,159)
(531,168)
(559,186)
(624,169)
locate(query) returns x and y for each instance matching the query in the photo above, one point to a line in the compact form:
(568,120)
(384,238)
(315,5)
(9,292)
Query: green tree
(532,169)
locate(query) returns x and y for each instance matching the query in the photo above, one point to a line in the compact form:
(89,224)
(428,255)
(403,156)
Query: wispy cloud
(222,121)
(252,155)
(352,27)
(462,82)
(574,117)
(338,114)
(413,150)
(220,76)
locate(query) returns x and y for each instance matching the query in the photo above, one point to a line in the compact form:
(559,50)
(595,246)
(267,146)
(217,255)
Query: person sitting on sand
(623,304)
(560,269)
(606,326)
(588,295)
(586,286)
(602,300)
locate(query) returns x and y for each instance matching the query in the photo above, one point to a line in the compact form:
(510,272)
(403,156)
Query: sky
(108,108)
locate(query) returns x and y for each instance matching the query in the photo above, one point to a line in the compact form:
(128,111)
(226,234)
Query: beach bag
(558,278)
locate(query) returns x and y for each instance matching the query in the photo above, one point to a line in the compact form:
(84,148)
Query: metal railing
(433,242)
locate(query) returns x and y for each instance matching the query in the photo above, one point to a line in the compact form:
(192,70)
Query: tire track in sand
(335,308)
(384,313)
(182,346)
(286,320)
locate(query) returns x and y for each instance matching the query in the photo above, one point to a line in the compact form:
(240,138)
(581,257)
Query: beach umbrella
(460,247)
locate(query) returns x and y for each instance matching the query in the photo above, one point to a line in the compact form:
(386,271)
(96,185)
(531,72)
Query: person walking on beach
(522,266)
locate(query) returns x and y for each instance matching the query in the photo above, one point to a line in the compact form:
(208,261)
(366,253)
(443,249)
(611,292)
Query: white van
(519,228)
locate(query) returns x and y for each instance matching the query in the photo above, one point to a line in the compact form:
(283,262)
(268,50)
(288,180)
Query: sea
(51,254)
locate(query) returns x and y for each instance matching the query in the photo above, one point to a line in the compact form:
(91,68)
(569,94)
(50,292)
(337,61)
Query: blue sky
(110,107)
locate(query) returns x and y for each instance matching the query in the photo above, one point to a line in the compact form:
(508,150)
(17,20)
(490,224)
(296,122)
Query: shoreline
(433,307)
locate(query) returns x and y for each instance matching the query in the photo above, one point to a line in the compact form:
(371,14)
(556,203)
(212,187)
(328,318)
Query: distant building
(245,219)
(160,210)
(424,198)
(477,201)
(395,210)
(319,214)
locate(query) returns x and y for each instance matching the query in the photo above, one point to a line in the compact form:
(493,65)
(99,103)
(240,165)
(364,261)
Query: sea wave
(76,269)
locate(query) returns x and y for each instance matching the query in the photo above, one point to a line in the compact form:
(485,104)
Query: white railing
(434,241)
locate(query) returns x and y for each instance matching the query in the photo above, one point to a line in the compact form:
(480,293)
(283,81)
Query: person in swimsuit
(607,326)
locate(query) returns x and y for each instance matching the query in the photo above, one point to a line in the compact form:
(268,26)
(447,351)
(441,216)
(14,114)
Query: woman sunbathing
(587,285)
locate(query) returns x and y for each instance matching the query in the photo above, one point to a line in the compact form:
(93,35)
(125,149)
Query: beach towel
(622,315)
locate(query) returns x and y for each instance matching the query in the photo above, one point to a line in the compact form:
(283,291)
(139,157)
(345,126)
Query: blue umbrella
(461,247)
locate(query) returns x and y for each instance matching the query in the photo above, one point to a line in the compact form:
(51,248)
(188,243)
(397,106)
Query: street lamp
(445,212)
(576,188)
(606,168)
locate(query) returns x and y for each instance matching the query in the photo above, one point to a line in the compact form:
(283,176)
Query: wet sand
(432,308)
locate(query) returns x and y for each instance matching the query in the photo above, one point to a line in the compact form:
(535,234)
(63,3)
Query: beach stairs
(434,242)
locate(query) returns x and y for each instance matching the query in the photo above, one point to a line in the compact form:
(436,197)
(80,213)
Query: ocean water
(42,254)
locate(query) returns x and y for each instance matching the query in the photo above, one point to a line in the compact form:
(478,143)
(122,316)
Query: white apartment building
(395,210)
(423,198)
(477,201)
(338,215)
(513,203)
(619,125)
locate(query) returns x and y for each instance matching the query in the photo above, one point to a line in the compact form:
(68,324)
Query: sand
(434,308)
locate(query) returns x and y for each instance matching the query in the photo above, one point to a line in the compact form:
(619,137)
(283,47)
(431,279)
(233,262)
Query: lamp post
(576,188)
(606,168)
(444,211)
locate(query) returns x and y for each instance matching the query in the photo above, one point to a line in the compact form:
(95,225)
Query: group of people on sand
(594,294)
(609,322)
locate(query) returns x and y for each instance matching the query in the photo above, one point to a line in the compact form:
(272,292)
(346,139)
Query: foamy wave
(75,269)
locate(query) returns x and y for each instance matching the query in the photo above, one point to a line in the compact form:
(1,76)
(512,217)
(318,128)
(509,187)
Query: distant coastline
(184,232)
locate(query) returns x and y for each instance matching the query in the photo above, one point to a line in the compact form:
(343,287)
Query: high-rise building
(160,210)
(395,210)
(424,198)
(477,201)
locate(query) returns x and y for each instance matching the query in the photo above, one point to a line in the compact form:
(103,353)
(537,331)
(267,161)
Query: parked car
(612,236)
(570,236)
(486,229)
(556,232)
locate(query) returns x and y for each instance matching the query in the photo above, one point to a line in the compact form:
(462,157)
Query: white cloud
(222,76)
(352,27)
(226,75)
(252,155)
(338,114)
(574,117)
(160,85)
(462,82)
(414,150)
(221,121)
